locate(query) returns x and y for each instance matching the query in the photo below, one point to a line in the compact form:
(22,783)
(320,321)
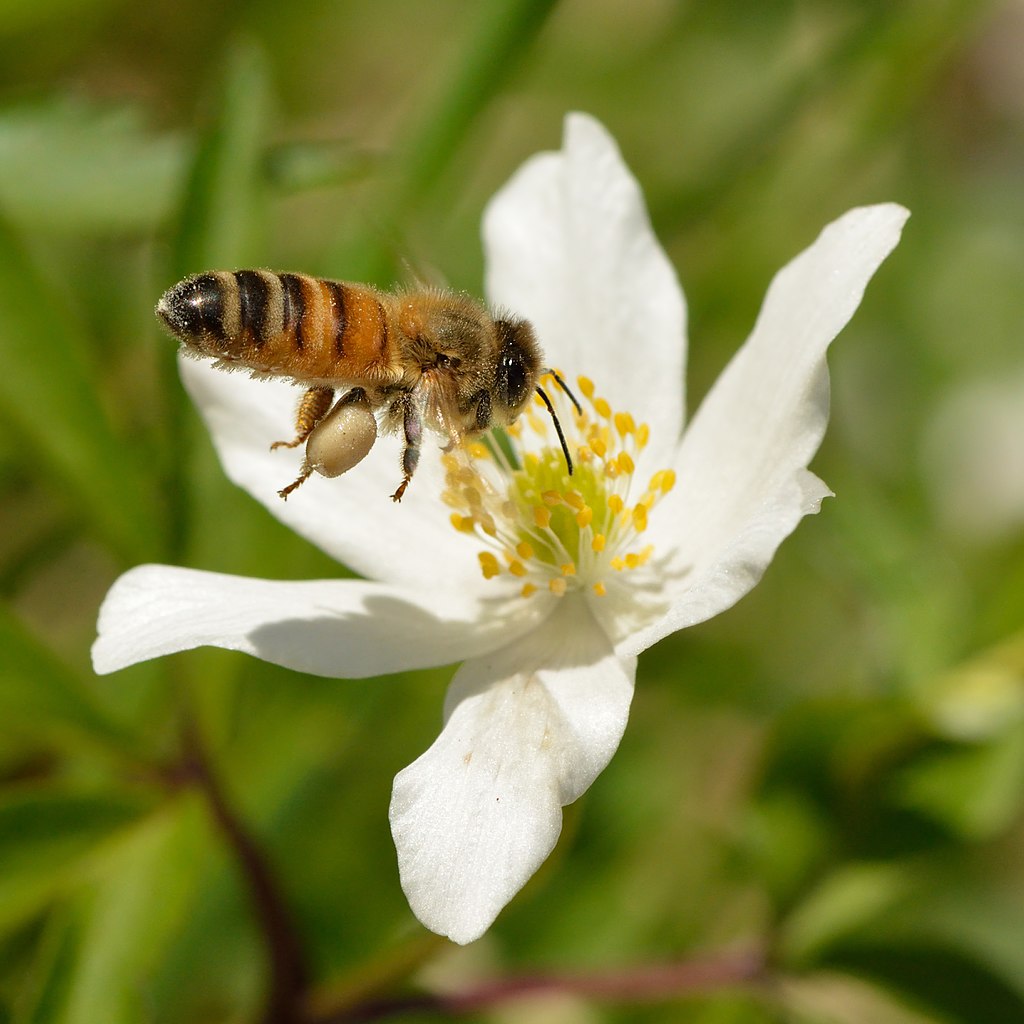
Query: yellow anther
(488,565)
(615,503)
(598,543)
(514,429)
(664,480)
(528,589)
(611,470)
(464,524)
(569,569)
(487,524)
(617,564)
(558,586)
(574,500)
(602,408)
(478,450)
(640,518)
(517,568)
(643,435)
(599,448)
(586,386)
(600,589)
(471,496)
(632,560)
(542,516)
(525,550)
(624,423)
(625,463)
(551,498)
(584,516)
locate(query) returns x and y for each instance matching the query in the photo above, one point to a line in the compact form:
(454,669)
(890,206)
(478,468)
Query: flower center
(540,524)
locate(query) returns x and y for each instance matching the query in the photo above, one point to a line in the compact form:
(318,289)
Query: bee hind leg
(312,409)
(412,427)
(302,478)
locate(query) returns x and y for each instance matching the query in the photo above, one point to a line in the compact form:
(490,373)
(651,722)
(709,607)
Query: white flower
(545,587)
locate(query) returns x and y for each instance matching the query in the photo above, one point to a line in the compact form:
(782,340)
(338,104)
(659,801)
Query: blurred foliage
(833,771)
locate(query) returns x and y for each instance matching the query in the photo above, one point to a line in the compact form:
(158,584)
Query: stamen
(558,517)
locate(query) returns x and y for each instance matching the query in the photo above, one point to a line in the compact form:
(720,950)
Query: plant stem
(638,984)
(289,975)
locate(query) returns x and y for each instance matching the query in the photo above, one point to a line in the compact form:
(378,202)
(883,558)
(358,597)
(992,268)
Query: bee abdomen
(292,324)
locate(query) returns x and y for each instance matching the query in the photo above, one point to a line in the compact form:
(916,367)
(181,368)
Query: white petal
(337,628)
(351,517)
(570,247)
(529,728)
(742,484)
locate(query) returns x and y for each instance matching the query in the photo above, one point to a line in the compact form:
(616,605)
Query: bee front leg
(412,427)
(484,410)
(312,409)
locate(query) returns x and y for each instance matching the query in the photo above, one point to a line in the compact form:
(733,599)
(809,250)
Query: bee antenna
(558,426)
(565,387)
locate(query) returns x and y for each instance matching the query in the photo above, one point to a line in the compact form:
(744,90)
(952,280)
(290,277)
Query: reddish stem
(288,975)
(639,984)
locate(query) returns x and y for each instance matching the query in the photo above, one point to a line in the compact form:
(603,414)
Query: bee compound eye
(342,439)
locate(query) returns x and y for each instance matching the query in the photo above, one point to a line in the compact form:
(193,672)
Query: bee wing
(423,276)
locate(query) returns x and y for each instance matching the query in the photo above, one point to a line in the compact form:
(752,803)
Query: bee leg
(413,428)
(312,409)
(308,465)
(302,478)
(483,410)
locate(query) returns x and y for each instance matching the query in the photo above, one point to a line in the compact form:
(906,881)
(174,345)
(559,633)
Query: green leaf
(499,38)
(77,167)
(977,791)
(49,395)
(17,16)
(222,221)
(846,900)
(947,941)
(224,207)
(46,838)
(945,980)
(122,923)
(981,697)
(39,692)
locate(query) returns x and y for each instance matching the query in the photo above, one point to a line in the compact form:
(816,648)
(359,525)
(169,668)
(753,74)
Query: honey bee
(420,358)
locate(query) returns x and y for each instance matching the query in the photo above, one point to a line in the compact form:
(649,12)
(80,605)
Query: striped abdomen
(284,324)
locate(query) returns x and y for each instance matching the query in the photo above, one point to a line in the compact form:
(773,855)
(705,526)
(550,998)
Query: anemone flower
(545,586)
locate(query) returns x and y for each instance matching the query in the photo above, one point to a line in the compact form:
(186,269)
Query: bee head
(518,367)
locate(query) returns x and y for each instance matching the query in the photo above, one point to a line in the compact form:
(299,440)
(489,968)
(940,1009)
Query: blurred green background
(832,772)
